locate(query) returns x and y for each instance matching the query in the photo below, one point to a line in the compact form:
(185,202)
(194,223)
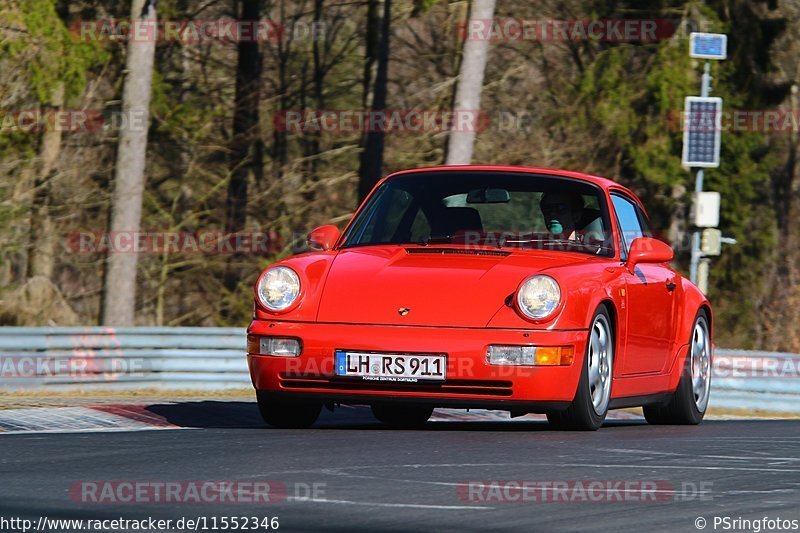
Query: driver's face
(558,215)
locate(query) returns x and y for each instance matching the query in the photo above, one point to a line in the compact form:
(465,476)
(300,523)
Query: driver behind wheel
(562,212)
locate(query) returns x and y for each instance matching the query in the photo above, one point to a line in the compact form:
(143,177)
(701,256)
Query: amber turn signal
(530,355)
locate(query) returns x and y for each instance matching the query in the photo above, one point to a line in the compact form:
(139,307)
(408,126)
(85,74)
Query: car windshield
(485,209)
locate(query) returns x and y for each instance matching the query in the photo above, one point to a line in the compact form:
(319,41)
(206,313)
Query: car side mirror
(648,250)
(323,238)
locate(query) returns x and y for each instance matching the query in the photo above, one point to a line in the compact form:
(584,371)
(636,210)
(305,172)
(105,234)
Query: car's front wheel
(402,416)
(286,414)
(589,408)
(690,400)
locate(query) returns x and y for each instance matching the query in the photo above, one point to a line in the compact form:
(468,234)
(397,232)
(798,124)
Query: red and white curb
(71,419)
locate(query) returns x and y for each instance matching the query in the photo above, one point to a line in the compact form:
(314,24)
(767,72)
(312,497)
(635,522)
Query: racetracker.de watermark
(761,365)
(207,242)
(89,356)
(154,492)
(582,491)
(71,121)
(226,30)
(507,29)
(347,121)
(736,121)
(72,366)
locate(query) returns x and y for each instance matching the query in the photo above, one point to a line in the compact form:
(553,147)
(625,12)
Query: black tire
(402,416)
(581,414)
(287,415)
(681,410)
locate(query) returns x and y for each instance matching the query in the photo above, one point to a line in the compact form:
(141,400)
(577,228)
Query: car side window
(630,221)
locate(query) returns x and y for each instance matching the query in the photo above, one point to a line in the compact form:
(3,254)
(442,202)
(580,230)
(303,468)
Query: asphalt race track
(349,473)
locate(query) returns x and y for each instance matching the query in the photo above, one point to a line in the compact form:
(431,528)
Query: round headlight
(278,288)
(539,297)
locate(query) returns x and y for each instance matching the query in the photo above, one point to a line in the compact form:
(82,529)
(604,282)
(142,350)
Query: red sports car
(529,290)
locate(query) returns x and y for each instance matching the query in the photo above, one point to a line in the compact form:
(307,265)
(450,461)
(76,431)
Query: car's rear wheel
(690,400)
(589,408)
(402,416)
(287,414)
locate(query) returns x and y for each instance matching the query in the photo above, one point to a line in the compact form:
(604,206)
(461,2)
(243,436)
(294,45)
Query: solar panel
(702,131)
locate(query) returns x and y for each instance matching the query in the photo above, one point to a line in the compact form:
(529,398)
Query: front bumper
(471,381)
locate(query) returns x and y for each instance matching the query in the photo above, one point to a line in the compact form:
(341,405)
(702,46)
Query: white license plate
(390,367)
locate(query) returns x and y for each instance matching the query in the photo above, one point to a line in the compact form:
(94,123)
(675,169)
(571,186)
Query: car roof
(604,183)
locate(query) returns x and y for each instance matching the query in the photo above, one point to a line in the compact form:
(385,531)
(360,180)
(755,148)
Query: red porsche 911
(522,289)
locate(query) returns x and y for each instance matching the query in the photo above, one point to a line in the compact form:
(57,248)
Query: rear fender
(693,302)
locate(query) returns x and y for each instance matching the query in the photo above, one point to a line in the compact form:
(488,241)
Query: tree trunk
(119,296)
(470,83)
(280,143)
(371,166)
(41,261)
(312,145)
(371,45)
(247,152)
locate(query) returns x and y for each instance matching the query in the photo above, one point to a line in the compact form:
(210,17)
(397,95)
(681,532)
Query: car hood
(427,286)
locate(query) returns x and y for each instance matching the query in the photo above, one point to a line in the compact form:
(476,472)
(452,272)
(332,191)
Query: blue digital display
(709,45)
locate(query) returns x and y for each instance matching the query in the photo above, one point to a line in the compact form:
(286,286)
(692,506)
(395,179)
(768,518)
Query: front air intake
(457,251)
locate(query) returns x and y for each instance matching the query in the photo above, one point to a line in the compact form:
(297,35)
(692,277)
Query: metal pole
(698,187)
(702,275)
(705,89)
(706,80)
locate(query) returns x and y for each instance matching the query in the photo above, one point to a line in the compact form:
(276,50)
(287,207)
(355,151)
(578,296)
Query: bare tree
(119,296)
(371,165)
(470,81)
(41,261)
(247,148)
(312,142)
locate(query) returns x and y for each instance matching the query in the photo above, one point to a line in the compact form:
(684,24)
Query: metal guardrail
(746,379)
(214,358)
(122,358)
